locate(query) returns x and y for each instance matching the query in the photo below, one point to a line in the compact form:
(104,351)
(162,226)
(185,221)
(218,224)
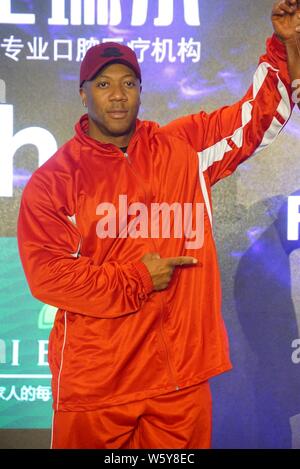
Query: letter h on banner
(9,143)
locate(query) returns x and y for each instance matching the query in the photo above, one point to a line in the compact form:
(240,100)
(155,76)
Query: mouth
(117,114)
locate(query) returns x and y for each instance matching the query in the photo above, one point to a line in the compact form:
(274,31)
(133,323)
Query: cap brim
(96,70)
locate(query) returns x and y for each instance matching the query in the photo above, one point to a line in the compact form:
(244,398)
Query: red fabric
(181,419)
(269,95)
(115,340)
(144,276)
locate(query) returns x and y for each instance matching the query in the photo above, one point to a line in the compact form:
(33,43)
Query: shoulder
(174,135)
(171,148)
(56,172)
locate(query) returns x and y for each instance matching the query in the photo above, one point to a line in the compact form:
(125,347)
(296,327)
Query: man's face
(113,101)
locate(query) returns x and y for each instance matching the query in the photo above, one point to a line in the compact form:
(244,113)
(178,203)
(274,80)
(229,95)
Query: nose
(118,93)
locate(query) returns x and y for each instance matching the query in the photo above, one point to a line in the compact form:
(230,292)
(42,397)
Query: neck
(117,140)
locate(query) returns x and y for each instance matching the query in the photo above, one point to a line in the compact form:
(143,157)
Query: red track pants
(180,419)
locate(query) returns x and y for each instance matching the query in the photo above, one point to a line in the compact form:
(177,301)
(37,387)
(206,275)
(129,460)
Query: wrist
(144,276)
(279,37)
(291,41)
(276,47)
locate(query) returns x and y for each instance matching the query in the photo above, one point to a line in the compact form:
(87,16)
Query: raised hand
(286,20)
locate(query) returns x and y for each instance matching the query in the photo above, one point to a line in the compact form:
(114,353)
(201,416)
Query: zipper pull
(127,158)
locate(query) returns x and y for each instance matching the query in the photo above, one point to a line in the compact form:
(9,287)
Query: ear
(83,96)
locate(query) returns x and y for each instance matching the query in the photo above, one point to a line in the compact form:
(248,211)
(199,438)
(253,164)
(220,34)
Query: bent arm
(49,246)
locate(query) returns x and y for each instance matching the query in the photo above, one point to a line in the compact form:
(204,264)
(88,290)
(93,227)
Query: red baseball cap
(103,54)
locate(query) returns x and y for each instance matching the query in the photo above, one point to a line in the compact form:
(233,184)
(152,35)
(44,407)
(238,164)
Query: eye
(102,84)
(130,83)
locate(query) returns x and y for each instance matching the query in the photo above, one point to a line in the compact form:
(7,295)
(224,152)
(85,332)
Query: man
(139,331)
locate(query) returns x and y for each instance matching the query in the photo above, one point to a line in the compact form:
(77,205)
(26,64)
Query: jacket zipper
(126,156)
(171,371)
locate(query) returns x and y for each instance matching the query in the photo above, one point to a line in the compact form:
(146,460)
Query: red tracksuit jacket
(114,339)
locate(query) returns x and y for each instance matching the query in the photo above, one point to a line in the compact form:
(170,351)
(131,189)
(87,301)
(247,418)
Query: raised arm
(228,136)
(286,22)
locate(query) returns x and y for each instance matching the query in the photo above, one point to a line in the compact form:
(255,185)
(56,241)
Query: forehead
(116,70)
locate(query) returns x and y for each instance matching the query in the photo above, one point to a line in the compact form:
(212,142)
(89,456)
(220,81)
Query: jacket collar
(106,149)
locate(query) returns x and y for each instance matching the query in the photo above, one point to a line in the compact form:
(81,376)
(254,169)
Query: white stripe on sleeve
(217,151)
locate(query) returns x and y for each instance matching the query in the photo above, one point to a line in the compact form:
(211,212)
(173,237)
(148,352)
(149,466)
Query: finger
(280,9)
(181,260)
(284,7)
(292,3)
(295,3)
(278,12)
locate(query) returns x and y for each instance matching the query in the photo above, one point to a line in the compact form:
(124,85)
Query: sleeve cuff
(277,47)
(144,275)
